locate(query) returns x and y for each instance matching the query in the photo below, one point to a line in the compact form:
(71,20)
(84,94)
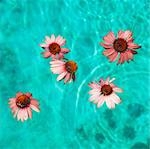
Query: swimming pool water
(67,119)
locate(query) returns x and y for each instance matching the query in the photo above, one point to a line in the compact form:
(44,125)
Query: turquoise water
(67,120)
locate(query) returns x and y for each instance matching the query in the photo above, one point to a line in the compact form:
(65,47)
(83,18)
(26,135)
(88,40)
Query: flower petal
(109,38)
(101,101)
(127,35)
(94,85)
(52,38)
(67,78)
(19,94)
(132,45)
(47,39)
(113,56)
(94,91)
(58,70)
(117,89)
(34,102)
(106,46)
(130,55)
(115,99)
(108,52)
(35,108)
(120,34)
(29,112)
(28,94)
(60,55)
(65,50)
(46,54)
(61,76)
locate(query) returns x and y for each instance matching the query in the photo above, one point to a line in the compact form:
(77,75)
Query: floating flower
(22,104)
(122,45)
(65,69)
(105,91)
(52,47)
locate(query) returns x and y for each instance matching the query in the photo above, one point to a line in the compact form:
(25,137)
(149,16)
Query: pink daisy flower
(52,47)
(65,69)
(121,46)
(105,91)
(22,104)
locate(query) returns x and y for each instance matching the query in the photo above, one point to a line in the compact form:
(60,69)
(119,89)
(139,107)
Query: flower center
(71,66)
(120,45)
(23,101)
(106,89)
(54,48)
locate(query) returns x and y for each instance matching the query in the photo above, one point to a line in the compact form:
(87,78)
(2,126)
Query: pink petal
(132,45)
(127,35)
(113,56)
(107,80)
(28,94)
(35,108)
(101,101)
(102,82)
(60,55)
(25,114)
(58,38)
(65,50)
(126,56)
(52,38)
(115,99)
(48,39)
(63,42)
(120,34)
(95,101)
(109,103)
(109,38)
(94,97)
(57,65)
(94,85)
(94,91)
(67,78)
(123,57)
(20,115)
(117,89)
(57,62)
(130,55)
(15,111)
(61,76)
(34,102)
(18,94)
(58,70)
(13,105)
(29,112)
(44,45)
(106,45)
(108,52)
(46,54)
(12,100)
(120,59)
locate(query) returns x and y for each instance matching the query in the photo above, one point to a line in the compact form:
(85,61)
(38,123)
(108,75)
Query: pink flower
(52,47)
(65,69)
(122,45)
(105,91)
(22,104)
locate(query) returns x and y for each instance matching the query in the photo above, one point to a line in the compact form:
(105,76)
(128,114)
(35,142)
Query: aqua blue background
(67,120)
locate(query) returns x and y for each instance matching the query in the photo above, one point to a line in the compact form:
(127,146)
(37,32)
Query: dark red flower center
(23,101)
(106,89)
(54,48)
(71,66)
(120,45)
